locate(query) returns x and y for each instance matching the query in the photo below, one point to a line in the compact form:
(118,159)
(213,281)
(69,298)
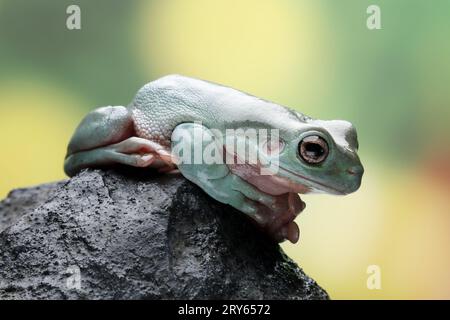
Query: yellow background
(316,56)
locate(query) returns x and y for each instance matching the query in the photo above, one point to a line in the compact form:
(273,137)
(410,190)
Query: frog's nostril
(356,170)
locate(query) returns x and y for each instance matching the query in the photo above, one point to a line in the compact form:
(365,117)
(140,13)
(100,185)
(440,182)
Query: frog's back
(161,105)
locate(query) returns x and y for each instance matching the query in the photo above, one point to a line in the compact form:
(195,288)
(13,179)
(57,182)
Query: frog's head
(321,156)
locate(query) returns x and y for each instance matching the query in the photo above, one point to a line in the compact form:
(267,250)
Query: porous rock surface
(134,234)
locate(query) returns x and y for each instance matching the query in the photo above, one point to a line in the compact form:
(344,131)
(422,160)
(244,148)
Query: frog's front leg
(275,214)
(105,137)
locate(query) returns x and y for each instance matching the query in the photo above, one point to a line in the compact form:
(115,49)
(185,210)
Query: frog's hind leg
(105,137)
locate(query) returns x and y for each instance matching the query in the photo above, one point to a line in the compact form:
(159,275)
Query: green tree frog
(252,154)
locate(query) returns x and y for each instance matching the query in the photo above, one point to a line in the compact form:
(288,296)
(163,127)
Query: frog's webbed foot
(133,151)
(274,214)
(141,152)
(279,219)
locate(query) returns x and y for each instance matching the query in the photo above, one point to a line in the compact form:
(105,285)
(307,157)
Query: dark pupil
(314,150)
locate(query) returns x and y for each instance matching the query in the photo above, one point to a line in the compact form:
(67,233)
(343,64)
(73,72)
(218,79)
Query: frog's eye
(313,149)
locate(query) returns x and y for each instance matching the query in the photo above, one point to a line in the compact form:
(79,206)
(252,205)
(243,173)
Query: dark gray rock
(20,201)
(137,235)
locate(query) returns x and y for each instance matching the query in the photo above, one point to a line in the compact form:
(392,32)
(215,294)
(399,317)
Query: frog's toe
(279,222)
(143,152)
(135,160)
(144,160)
(289,231)
(288,208)
(293,232)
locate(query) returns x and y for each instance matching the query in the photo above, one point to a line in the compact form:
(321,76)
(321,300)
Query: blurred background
(317,56)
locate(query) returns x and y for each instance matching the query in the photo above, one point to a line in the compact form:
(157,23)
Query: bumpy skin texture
(163,104)
(312,155)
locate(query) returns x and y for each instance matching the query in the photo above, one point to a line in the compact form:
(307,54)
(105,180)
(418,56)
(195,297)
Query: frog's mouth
(270,181)
(321,187)
(276,183)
